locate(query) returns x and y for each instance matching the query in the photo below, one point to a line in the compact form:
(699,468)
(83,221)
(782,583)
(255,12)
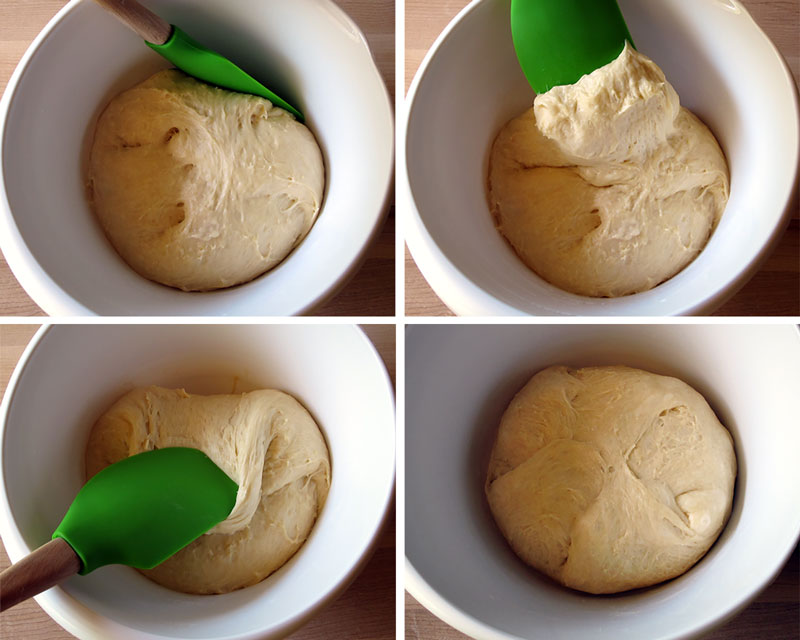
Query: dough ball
(201,188)
(610,478)
(264,440)
(608,187)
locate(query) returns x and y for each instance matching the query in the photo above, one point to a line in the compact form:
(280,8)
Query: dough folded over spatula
(264,440)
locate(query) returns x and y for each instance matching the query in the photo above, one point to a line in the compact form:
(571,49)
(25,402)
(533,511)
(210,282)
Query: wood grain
(45,567)
(370,292)
(144,22)
(773,291)
(366,611)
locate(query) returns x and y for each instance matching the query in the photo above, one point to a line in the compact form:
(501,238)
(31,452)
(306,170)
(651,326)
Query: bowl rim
(466,298)
(56,301)
(442,608)
(81,621)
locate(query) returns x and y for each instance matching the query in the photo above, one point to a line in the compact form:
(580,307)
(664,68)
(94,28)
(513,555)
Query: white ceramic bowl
(314,56)
(69,375)
(725,70)
(460,380)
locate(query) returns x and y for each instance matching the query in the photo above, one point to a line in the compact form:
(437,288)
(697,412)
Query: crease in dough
(201,188)
(264,440)
(608,187)
(610,478)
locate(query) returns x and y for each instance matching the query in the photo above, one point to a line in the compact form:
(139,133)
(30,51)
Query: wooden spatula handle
(50,564)
(143,21)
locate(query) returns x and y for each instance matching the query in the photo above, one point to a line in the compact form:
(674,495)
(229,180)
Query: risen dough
(610,478)
(264,440)
(608,187)
(200,188)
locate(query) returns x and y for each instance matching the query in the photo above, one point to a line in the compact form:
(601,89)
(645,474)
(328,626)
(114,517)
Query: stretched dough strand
(264,440)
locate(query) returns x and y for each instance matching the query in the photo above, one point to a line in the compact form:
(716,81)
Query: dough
(610,478)
(201,188)
(264,440)
(608,187)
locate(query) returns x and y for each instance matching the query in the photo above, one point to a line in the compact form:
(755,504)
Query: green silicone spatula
(558,41)
(187,54)
(137,512)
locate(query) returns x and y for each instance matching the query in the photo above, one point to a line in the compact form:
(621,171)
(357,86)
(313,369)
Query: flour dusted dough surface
(608,187)
(201,188)
(264,440)
(610,478)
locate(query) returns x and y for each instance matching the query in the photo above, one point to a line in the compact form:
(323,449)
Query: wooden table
(775,288)
(366,611)
(371,290)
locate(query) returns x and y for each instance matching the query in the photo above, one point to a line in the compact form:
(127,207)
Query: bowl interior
(332,370)
(473,85)
(307,51)
(463,569)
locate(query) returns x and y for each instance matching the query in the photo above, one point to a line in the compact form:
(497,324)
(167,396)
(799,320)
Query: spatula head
(558,41)
(209,66)
(143,509)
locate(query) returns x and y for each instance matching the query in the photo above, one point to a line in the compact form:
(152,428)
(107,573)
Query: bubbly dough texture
(201,188)
(610,478)
(608,187)
(264,440)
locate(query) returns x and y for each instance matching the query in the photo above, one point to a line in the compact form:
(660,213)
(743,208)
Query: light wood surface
(371,290)
(773,291)
(366,611)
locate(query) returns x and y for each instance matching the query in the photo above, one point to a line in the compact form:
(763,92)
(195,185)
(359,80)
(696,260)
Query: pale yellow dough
(610,478)
(608,187)
(201,188)
(264,440)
